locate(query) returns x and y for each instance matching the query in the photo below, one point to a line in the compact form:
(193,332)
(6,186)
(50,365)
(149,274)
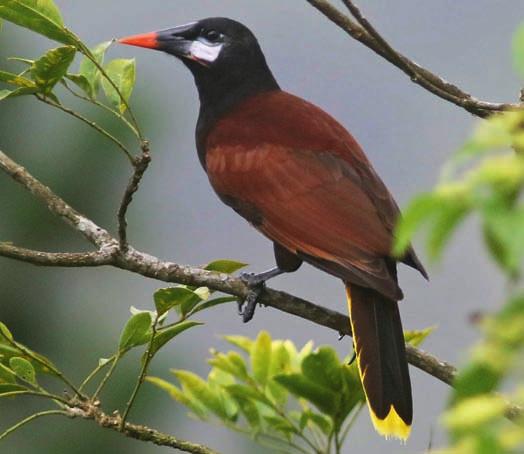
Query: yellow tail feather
(392,425)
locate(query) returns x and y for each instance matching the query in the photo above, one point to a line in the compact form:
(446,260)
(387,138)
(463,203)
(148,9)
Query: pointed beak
(176,41)
(147,40)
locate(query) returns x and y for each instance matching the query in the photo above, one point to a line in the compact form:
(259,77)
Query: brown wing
(303,181)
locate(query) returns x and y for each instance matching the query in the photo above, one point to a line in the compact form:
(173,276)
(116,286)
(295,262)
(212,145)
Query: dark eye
(212,36)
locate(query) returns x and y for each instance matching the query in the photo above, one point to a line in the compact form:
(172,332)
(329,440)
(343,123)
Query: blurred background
(75,316)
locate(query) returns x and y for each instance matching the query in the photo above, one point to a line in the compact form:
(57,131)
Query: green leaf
(418,211)
(319,420)
(202,392)
(518,50)
(5,333)
(248,392)
(280,424)
(324,399)
(123,73)
(214,302)
(232,363)
(136,332)
(6,374)
(475,412)
(261,357)
(416,337)
(48,70)
(5,94)
(167,298)
(323,367)
(90,72)
(177,394)
(23,369)
(14,79)
(165,335)
(225,266)
(40,16)
(443,226)
(250,412)
(81,82)
(242,342)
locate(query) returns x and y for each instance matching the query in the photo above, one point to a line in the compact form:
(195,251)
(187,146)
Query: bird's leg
(256,284)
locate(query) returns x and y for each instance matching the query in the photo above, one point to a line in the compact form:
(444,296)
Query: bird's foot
(256,284)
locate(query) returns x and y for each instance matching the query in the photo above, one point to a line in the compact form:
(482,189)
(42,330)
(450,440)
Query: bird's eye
(212,36)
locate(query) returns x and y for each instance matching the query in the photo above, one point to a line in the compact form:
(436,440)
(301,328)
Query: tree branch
(92,232)
(363,31)
(89,411)
(56,259)
(140,165)
(149,266)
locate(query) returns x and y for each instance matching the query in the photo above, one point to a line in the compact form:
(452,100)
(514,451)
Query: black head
(223,55)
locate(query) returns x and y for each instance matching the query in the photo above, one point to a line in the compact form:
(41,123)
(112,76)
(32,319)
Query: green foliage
(281,397)
(119,85)
(89,76)
(40,16)
(49,69)
(486,179)
(489,188)
(518,50)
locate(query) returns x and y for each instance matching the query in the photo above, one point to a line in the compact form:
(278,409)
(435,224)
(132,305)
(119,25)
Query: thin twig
(95,371)
(148,356)
(85,50)
(58,259)
(140,164)
(102,106)
(88,122)
(31,418)
(42,362)
(368,35)
(92,232)
(89,411)
(107,376)
(36,394)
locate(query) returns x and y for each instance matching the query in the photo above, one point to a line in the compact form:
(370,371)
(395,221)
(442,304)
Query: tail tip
(392,426)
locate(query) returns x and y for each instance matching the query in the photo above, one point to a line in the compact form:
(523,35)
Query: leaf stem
(91,123)
(45,364)
(90,56)
(106,377)
(95,371)
(104,107)
(29,419)
(148,356)
(35,393)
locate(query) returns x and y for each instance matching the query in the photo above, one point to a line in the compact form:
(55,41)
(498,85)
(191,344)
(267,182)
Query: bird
(302,180)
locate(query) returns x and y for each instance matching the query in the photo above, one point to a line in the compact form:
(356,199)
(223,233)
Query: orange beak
(147,40)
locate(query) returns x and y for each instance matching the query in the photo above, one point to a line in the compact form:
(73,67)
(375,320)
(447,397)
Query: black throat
(219,92)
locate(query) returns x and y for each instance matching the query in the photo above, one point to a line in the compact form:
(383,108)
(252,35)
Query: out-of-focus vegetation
(485,179)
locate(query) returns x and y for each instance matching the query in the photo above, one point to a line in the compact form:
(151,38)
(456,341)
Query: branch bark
(364,32)
(109,253)
(89,411)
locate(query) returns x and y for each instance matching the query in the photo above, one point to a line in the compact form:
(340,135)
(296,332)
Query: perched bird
(301,179)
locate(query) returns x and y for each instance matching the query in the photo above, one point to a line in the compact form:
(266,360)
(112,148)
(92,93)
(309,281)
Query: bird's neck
(220,95)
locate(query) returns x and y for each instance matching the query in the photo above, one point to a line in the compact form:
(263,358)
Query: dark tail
(381,359)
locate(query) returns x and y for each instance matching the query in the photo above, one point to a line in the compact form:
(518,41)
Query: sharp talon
(240,304)
(341,336)
(251,304)
(353,358)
